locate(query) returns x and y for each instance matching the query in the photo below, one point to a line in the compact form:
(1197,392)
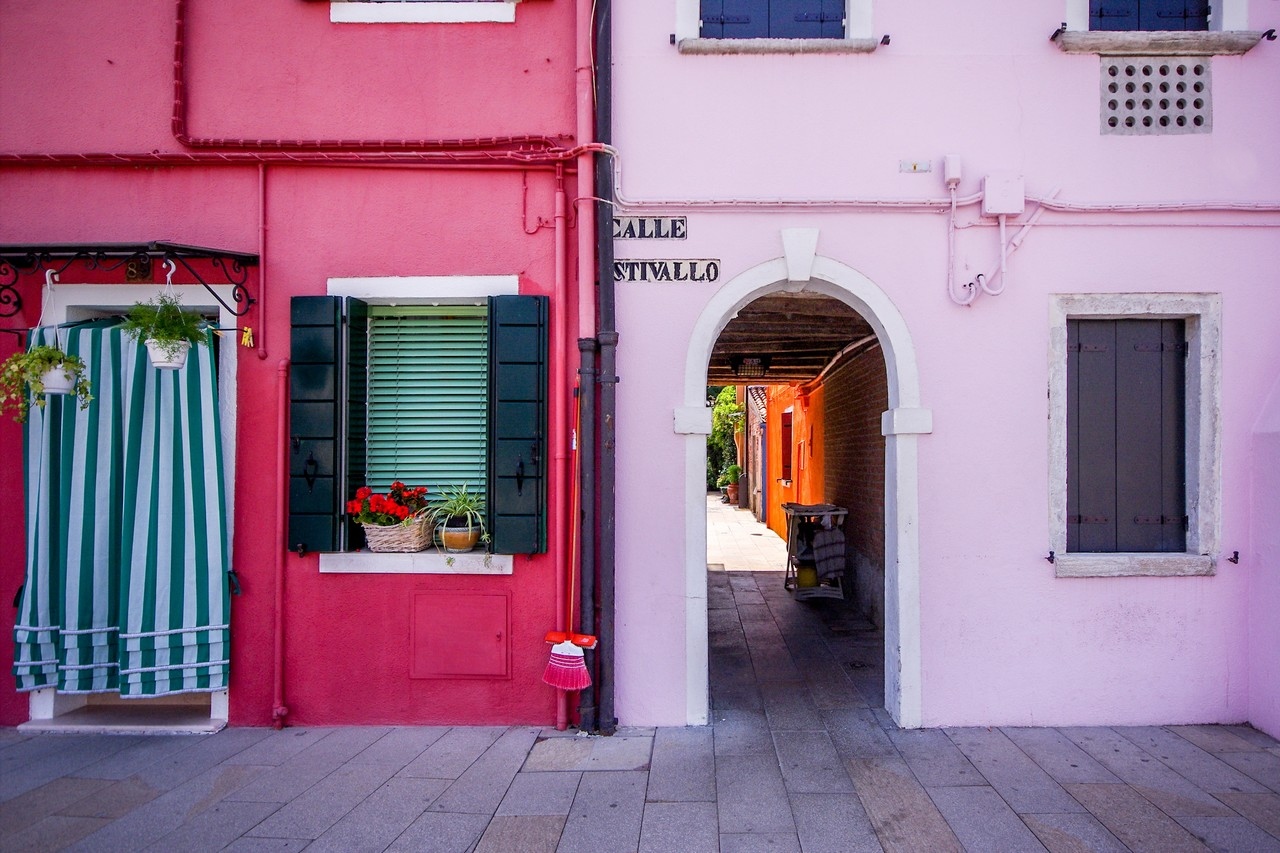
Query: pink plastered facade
(823,172)
(296,142)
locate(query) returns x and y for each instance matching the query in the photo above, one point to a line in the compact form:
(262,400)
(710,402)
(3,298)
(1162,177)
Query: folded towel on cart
(828,553)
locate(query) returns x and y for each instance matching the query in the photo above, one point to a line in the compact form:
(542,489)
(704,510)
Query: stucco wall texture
(745,146)
(99,78)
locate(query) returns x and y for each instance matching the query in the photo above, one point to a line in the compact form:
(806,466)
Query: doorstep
(123,720)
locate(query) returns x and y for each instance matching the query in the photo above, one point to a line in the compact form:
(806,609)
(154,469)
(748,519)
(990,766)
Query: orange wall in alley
(805,451)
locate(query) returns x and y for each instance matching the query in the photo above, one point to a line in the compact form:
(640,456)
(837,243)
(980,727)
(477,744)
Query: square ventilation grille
(1147,95)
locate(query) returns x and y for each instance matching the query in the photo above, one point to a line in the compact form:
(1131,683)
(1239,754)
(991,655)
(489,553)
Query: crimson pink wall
(280,71)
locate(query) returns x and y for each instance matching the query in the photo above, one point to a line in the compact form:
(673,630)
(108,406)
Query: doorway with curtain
(126,589)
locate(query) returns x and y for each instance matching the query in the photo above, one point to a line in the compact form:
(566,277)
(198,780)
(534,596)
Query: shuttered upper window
(786,19)
(1149,15)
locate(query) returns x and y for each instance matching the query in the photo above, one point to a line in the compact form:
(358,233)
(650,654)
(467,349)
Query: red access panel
(460,635)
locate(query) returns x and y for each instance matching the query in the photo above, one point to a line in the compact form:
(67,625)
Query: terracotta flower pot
(459,540)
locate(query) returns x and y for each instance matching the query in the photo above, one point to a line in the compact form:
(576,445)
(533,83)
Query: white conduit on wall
(981,283)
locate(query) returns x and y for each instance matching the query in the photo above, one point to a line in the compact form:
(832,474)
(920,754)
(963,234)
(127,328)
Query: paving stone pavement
(800,756)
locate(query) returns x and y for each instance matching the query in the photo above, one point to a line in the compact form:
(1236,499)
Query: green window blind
(427,396)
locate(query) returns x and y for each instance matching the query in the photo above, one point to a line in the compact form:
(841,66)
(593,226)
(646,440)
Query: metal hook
(50,278)
(1234,558)
(1051,557)
(171,267)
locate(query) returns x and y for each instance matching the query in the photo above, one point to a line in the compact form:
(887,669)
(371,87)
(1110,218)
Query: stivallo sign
(683,269)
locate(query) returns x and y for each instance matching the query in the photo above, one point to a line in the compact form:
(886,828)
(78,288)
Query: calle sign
(650,228)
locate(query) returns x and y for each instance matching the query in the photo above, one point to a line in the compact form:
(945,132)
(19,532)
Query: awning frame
(136,258)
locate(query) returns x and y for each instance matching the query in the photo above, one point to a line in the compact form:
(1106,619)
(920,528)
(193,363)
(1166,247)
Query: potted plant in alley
(459,517)
(166,330)
(41,370)
(398,521)
(729,482)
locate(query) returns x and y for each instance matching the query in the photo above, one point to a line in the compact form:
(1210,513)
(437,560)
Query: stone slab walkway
(800,756)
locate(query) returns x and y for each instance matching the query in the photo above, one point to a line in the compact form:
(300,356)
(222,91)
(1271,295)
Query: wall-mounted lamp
(750,366)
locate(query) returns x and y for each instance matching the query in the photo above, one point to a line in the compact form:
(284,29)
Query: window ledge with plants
(1202,43)
(401,527)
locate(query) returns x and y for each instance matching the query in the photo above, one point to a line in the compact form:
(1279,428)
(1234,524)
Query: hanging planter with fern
(165,329)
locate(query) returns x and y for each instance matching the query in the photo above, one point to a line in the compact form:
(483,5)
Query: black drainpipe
(607,335)
(587,517)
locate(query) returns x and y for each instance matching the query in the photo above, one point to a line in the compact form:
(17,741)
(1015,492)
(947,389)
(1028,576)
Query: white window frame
(421,290)
(858,35)
(422,11)
(1203,438)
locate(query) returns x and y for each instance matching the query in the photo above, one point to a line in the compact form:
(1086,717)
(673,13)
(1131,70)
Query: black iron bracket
(10,299)
(1234,558)
(136,259)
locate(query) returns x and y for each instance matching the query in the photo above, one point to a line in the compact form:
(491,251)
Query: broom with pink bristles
(567,669)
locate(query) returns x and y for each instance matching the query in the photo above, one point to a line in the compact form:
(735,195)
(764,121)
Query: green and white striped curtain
(126,581)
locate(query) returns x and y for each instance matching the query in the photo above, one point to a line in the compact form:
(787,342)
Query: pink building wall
(1264,589)
(79,80)
(1001,639)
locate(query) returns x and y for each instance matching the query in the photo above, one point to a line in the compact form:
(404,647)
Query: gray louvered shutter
(1126,481)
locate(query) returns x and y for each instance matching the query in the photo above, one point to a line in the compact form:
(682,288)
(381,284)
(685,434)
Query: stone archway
(802,269)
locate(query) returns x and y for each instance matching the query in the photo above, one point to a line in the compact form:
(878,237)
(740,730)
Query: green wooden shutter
(356,409)
(427,398)
(317,413)
(518,423)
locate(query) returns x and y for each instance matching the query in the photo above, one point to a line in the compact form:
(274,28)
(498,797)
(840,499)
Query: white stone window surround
(1203,315)
(421,290)
(1227,34)
(422,11)
(858,36)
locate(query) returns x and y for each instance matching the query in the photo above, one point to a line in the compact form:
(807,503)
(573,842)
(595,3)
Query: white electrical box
(1003,193)
(951,170)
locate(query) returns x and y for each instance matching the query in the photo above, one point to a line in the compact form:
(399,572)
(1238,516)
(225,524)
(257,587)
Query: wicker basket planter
(398,537)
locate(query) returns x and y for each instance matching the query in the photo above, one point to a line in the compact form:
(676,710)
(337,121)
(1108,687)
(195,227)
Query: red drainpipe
(278,709)
(559,518)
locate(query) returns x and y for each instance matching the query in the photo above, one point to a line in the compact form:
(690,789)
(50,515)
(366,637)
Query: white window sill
(1132,565)
(427,12)
(762,46)
(1208,43)
(428,562)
